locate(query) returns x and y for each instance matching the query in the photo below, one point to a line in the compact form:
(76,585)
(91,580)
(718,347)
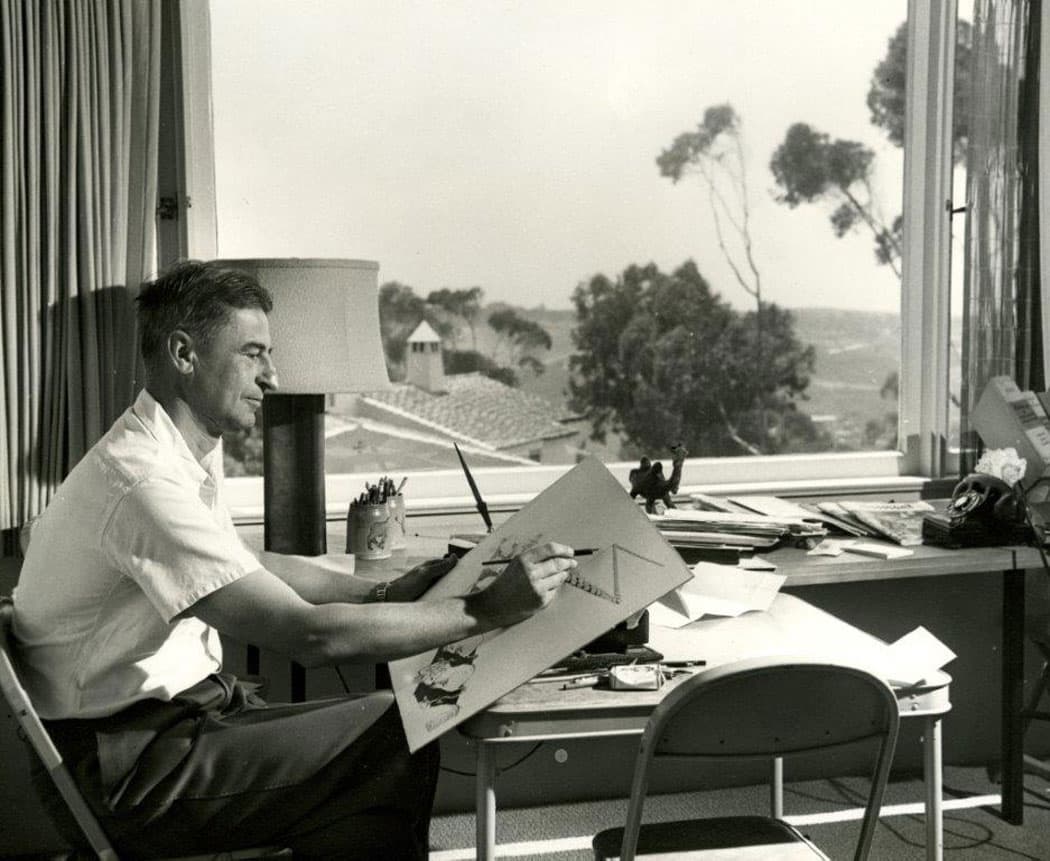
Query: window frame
(925,307)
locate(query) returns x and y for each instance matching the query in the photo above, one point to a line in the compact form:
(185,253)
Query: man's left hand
(416,581)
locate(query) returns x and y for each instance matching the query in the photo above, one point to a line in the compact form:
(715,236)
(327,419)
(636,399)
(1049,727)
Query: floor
(562,832)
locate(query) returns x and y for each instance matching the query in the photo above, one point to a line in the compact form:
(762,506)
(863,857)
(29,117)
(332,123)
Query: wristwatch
(381,588)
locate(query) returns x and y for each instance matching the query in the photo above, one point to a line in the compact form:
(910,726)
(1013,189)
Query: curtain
(1001,309)
(79,116)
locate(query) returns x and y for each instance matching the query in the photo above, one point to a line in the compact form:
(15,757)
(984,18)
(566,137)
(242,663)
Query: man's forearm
(384,632)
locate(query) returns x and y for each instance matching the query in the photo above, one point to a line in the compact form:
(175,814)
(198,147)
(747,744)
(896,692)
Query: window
(514,148)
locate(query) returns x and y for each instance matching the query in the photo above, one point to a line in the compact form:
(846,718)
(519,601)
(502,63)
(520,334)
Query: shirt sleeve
(173,546)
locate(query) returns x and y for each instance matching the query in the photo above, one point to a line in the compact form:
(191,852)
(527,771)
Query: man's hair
(197,297)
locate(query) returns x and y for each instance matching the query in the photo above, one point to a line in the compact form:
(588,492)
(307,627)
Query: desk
(535,712)
(1011,562)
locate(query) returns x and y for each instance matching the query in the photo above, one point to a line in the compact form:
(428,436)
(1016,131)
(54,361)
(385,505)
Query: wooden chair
(21,708)
(756,709)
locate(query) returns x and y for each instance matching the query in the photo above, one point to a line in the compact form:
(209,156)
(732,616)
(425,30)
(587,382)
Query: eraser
(635,677)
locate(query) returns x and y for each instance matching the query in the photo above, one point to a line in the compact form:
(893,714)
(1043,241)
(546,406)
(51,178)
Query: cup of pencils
(368,525)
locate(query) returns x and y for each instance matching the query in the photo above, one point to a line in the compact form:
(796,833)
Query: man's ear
(182,353)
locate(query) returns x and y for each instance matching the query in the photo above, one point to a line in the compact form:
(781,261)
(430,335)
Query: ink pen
(582,551)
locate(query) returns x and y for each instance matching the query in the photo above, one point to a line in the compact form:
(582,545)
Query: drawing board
(632,566)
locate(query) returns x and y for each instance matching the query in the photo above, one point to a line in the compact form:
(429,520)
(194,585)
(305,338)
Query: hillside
(856,351)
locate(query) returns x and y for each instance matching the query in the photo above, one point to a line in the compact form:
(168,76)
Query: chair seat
(731,838)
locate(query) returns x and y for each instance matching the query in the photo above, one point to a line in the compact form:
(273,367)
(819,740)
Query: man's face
(233,372)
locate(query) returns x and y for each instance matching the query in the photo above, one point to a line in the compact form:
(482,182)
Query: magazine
(898,521)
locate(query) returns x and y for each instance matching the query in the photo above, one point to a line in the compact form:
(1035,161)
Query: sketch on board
(632,567)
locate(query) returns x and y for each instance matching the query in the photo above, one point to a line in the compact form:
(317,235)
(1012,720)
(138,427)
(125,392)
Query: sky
(511,144)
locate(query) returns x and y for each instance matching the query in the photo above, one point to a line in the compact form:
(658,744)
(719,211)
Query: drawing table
(544,712)
(1011,563)
(803,570)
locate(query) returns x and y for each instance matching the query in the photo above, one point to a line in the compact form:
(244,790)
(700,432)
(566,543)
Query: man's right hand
(528,583)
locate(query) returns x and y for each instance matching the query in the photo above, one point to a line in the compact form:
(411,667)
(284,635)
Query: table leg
(1012,701)
(776,788)
(485,802)
(933,777)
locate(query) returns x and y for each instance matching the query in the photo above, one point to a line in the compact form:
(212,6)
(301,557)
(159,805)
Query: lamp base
(293,474)
(293,489)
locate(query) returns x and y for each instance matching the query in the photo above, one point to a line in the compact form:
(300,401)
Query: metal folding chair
(34,731)
(756,709)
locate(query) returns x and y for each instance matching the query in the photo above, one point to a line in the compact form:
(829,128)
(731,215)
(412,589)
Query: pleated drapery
(79,116)
(1001,320)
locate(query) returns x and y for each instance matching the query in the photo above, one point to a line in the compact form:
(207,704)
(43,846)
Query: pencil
(582,551)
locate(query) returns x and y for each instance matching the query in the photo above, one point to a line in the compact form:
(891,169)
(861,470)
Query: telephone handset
(985,499)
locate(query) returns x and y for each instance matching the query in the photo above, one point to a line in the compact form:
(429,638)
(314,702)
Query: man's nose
(268,377)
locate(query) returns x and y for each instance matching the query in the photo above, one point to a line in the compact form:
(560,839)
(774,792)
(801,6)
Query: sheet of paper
(718,590)
(915,655)
(827,547)
(633,567)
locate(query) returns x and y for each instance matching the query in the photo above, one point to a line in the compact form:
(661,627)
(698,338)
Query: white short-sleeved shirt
(136,534)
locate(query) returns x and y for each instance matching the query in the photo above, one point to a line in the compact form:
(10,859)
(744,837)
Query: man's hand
(416,581)
(528,583)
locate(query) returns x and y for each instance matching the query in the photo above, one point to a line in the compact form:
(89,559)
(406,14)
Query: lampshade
(325,323)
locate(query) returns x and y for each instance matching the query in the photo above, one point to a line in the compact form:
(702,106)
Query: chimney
(424,363)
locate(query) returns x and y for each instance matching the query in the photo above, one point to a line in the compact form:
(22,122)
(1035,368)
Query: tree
(471,361)
(464,304)
(242,451)
(521,338)
(663,359)
(715,153)
(810,166)
(887,92)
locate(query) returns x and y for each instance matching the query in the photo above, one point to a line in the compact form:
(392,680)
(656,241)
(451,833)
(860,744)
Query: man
(135,567)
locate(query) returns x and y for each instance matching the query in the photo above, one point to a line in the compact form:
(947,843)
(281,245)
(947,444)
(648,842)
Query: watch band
(381,588)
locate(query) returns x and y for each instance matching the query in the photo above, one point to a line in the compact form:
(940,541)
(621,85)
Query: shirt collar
(156,419)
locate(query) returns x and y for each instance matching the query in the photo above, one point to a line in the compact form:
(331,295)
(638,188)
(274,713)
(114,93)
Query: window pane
(595,191)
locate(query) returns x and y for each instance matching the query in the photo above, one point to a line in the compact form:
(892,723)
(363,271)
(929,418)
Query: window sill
(428,493)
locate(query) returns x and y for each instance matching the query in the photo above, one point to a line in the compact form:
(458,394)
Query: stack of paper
(692,528)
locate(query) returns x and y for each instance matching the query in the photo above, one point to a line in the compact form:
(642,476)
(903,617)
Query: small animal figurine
(647,480)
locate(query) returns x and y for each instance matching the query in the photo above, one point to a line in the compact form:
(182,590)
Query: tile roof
(478,408)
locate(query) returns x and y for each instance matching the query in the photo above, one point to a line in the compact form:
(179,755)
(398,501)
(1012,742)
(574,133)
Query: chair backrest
(764,707)
(22,709)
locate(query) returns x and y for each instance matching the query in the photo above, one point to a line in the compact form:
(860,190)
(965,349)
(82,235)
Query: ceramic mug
(367,531)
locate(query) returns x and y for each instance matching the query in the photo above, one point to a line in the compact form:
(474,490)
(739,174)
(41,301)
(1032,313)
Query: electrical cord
(499,769)
(1026,511)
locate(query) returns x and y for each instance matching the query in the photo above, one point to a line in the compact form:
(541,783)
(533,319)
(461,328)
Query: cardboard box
(1006,417)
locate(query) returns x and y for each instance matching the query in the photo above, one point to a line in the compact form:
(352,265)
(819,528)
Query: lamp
(324,328)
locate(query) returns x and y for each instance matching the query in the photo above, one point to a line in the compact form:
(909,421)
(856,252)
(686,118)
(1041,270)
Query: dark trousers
(218,769)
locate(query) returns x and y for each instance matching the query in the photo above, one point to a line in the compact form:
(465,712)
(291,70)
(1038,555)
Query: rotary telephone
(984,511)
(987,500)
